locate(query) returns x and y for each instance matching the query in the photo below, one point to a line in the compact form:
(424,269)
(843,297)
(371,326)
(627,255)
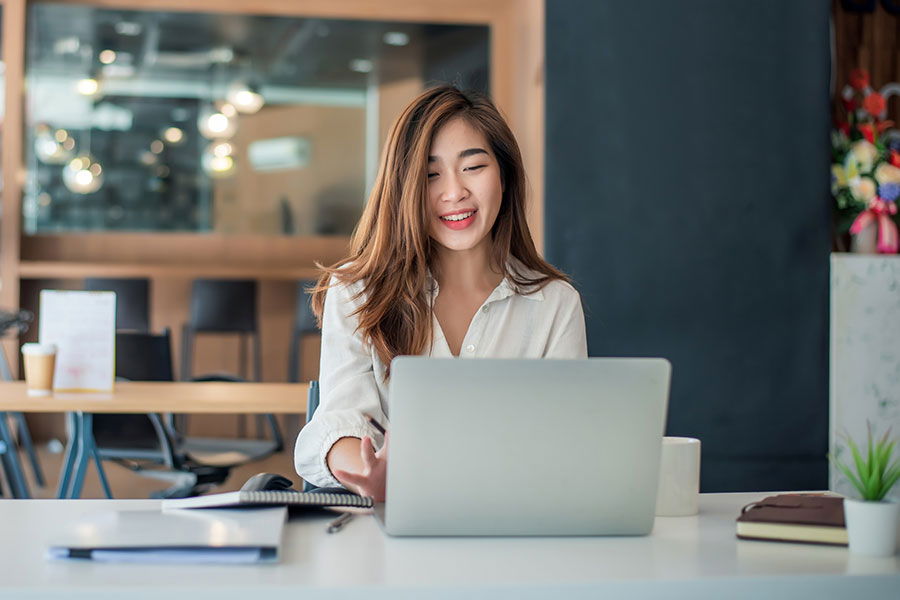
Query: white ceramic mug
(679,477)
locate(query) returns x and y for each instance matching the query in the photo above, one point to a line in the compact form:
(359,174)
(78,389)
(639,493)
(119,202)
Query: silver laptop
(524,447)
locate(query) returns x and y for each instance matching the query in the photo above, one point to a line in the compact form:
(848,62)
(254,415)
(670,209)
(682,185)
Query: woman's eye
(432,175)
(474,168)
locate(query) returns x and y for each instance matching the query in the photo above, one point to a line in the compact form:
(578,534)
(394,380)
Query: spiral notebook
(289,498)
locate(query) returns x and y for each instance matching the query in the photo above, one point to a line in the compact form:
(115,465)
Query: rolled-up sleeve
(568,338)
(347,388)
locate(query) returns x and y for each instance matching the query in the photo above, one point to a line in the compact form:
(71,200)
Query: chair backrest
(132,300)
(304,324)
(224,305)
(304,319)
(144,356)
(312,403)
(139,357)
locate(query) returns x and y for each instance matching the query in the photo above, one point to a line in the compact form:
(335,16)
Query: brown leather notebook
(804,518)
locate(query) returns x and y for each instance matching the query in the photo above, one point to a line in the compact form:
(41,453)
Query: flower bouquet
(865,170)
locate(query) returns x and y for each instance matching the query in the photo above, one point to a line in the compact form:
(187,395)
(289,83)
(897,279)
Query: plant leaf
(861,468)
(890,478)
(849,475)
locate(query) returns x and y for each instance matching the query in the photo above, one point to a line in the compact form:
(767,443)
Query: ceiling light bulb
(173,135)
(222,149)
(107,57)
(244,99)
(217,161)
(216,125)
(87,87)
(53,148)
(82,175)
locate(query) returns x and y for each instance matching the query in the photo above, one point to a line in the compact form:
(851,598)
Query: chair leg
(65,474)
(242,355)
(10,460)
(276,431)
(187,350)
(101,473)
(25,441)
(84,454)
(257,358)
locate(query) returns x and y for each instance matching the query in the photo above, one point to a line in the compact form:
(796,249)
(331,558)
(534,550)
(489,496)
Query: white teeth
(459,217)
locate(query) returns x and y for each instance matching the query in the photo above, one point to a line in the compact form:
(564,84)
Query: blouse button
(485,308)
(470,348)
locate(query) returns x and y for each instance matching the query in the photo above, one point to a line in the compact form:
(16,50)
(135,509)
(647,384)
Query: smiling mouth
(458,216)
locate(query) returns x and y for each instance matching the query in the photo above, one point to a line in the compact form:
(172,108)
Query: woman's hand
(370,479)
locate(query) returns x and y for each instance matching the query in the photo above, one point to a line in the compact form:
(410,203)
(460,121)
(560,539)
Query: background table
(136,397)
(687,557)
(164,396)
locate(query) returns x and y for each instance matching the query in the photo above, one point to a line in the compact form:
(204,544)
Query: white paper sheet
(83,327)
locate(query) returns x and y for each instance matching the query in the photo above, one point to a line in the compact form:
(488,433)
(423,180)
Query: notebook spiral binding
(289,497)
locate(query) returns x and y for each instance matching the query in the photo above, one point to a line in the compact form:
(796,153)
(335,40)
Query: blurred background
(677,152)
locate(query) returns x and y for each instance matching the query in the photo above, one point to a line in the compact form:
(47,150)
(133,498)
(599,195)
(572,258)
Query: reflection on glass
(151,121)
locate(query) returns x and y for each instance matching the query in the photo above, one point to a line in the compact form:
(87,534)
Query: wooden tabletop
(163,397)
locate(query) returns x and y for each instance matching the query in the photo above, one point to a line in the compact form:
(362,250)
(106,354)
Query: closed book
(289,498)
(805,518)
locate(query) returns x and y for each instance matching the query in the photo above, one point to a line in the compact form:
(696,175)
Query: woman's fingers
(351,479)
(367,453)
(382,452)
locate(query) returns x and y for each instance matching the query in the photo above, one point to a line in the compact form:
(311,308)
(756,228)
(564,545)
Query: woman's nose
(453,189)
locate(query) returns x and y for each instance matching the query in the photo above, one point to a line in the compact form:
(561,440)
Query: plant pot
(872,527)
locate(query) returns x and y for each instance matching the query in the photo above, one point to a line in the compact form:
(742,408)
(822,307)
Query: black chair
(17,323)
(139,441)
(223,306)
(132,300)
(304,324)
(226,306)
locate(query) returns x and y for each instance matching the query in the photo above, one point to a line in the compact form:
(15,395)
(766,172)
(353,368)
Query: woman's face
(464,188)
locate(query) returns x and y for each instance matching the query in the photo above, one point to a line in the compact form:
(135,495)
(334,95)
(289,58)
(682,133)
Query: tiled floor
(126,484)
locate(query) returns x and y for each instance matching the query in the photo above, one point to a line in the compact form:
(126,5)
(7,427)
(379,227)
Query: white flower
(863,188)
(887,173)
(863,154)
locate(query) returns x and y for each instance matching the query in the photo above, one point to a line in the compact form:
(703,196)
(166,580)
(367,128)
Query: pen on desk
(339,523)
(375,424)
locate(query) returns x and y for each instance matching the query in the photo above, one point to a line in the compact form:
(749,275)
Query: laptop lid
(524,446)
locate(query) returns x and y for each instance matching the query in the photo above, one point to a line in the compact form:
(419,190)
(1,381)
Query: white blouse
(547,323)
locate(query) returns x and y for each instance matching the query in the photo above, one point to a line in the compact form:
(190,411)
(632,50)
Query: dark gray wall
(687,193)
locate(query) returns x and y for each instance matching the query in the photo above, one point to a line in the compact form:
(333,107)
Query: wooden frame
(517,50)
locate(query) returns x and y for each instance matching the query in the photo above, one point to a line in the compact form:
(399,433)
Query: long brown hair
(391,251)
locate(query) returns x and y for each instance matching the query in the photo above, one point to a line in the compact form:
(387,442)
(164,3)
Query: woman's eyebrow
(463,154)
(472,152)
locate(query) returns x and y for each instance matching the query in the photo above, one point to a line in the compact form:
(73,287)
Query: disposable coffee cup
(40,362)
(679,477)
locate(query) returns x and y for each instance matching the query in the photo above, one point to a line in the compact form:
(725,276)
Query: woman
(442,264)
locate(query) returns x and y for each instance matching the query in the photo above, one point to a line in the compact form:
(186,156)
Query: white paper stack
(174,536)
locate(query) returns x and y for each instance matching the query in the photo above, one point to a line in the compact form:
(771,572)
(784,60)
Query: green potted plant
(872,520)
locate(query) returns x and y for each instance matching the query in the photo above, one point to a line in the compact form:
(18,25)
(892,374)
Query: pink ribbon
(879,211)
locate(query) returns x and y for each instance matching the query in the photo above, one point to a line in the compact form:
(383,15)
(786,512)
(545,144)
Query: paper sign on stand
(83,327)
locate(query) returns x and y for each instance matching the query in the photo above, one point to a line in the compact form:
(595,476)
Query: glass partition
(155,121)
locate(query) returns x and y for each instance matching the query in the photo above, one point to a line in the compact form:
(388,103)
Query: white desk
(692,557)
